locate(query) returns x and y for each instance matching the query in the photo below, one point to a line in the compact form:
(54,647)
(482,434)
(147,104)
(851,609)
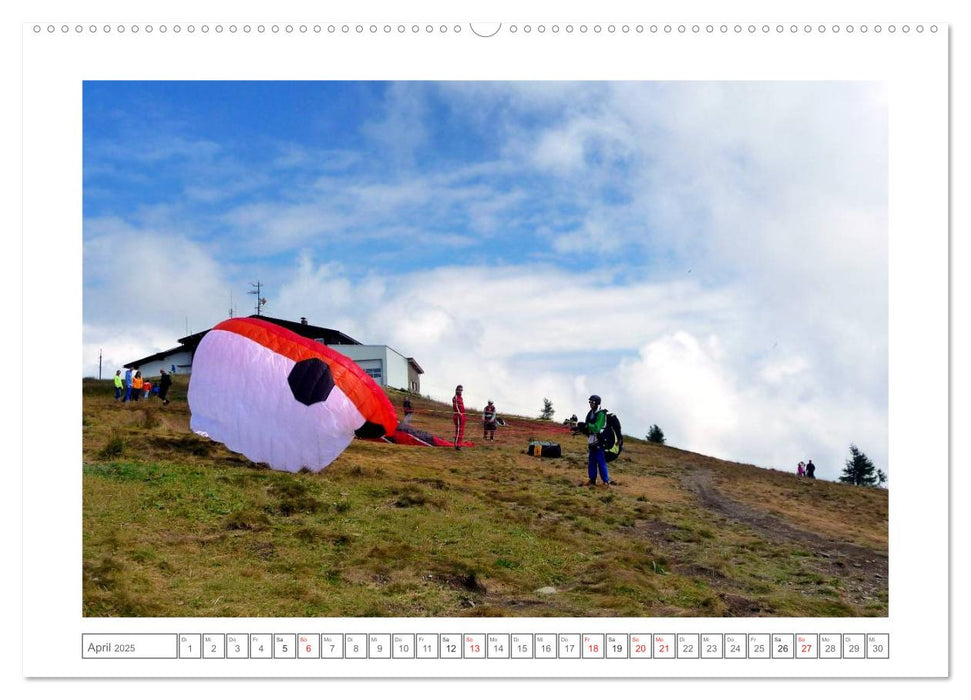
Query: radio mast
(260,299)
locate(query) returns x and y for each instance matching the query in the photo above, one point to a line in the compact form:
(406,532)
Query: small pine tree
(860,471)
(548,411)
(655,435)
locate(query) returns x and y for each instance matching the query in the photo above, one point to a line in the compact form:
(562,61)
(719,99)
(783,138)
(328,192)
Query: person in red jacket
(458,416)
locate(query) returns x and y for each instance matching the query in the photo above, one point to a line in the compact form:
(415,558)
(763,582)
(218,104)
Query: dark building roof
(157,356)
(328,335)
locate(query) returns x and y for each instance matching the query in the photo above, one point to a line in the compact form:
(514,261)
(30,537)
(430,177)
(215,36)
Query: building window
(374,373)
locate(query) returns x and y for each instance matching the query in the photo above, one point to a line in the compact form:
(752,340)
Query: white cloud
(402,127)
(144,288)
(686,384)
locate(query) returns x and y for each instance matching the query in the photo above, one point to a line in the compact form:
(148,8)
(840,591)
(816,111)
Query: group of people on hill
(135,387)
(806,469)
(593,425)
(490,419)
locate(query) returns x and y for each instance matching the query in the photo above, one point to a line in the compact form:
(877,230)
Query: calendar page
(589,343)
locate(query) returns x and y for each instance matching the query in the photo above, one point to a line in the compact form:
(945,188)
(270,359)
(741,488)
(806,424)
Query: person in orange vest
(137,384)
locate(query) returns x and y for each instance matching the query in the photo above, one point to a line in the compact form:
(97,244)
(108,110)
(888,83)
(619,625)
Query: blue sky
(710,257)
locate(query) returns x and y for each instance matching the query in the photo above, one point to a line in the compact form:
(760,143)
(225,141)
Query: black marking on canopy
(310,381)
(370,430)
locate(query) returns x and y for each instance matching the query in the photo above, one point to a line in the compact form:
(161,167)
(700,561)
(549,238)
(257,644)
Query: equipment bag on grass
(543,449)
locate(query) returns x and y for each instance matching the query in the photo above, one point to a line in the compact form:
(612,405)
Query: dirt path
(863,571)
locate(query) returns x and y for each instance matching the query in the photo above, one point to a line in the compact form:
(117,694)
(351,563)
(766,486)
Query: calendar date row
(485,646)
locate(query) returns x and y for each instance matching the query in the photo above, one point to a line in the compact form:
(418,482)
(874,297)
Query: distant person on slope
(801,469)
(593,425)
(119,384)
(458,416)
(409,411)
(810,470)
(489,422)
(163,387)
(128,378)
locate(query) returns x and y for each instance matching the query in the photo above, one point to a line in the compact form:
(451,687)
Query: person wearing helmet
(489,422)
(594,423)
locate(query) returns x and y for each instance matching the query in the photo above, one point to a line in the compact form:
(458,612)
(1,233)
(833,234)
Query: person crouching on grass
(489,422)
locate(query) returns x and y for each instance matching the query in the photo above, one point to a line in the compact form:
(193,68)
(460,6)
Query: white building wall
(181,360)
(397,370)
(394,367)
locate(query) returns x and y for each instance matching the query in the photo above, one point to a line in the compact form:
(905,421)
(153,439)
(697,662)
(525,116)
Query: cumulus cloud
(142,285)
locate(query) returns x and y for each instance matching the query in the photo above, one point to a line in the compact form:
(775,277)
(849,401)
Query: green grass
(175,525)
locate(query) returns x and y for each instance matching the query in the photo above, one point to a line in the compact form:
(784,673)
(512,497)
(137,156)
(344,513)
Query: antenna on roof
(260,299)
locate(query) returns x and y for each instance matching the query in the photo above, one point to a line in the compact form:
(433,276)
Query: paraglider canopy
(280,398)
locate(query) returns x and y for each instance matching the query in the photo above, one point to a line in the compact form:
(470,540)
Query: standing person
(458,416)
(489,422)
(136,386)
(119,384)
(128,378)
(163,387)
(801,469)
(147,388)
(595,422)
(409,411)
(810,470)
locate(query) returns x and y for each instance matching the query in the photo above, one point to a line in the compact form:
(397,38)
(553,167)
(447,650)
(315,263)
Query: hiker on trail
(409,411)
(458,416)
(136,386)
(489,422)
(810,470)
(595,422)
(163,387)
(128,379)
(801,469)
(119,384)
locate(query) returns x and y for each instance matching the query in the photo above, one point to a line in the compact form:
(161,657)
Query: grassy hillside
(176,525)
